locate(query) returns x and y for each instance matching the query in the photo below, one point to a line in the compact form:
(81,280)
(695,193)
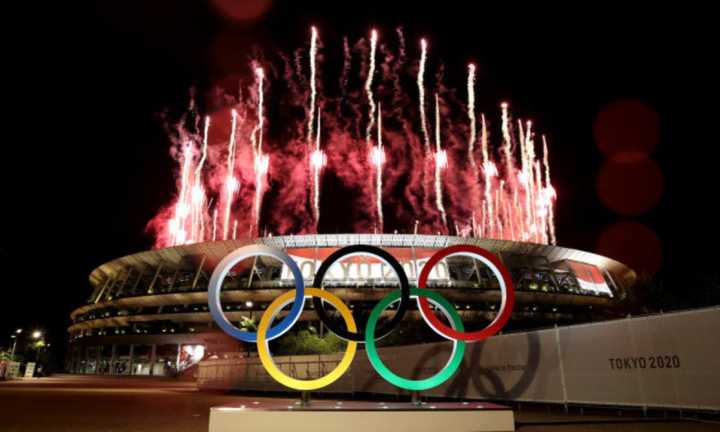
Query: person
(3,368)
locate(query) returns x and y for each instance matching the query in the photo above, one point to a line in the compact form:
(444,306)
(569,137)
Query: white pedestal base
(331,416)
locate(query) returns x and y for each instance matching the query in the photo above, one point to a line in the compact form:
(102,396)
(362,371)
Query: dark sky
(86,162)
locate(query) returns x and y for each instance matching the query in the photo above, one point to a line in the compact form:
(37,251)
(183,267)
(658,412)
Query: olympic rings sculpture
(373,332)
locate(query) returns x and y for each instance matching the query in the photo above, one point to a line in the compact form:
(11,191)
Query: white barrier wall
(664,360)
(668,360)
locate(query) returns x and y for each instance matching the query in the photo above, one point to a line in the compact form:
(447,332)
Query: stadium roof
(214,251)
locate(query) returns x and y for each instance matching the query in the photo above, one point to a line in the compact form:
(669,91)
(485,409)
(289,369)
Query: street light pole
(12,354)
(37,335)
(15,336)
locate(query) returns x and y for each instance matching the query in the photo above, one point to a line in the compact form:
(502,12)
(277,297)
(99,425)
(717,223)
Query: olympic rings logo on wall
(373,332)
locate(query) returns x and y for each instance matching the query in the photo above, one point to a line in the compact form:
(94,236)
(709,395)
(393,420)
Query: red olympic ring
(506,289)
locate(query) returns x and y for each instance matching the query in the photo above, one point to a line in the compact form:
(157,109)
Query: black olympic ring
(386,328)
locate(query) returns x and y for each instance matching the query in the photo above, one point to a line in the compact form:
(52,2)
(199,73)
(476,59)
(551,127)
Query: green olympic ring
(409,384)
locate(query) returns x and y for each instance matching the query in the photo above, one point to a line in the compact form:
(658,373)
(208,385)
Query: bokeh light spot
(626,130)
(633,244)
(243,10)
(630,187)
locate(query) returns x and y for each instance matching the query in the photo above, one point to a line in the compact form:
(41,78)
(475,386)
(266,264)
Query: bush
(307,341)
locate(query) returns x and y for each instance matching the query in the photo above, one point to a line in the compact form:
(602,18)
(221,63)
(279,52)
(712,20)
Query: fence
(668,360)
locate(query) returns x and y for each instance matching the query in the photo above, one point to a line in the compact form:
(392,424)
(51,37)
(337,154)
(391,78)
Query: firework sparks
(471,117)
(549,194)
(507,139)
(317,157)
(525,176)
(317,162)
(515,197)
(539,212)
(368,88)
(313,84)
(421,94)
(262,161)
(440,164)
(177,228)
(206,129)
(489,173)
(197,198)
(231,183)
(378,170)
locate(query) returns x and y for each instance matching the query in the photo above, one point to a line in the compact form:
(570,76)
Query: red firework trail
(247,170)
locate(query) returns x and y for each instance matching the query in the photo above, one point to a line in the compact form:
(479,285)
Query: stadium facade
(148,312)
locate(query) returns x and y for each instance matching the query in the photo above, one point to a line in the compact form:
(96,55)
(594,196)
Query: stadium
(148,314)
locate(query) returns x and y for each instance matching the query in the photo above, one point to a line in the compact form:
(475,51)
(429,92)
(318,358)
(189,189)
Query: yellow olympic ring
(266,357)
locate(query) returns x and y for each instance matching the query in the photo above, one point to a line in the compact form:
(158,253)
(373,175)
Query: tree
(307,341)
(248,325)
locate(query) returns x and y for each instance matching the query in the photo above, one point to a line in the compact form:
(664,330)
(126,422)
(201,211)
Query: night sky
(86,160)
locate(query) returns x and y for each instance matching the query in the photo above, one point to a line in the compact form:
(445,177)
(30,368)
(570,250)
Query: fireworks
(377,152)
(368,87)
(421,94)
(471,117)
(231,183)
(440,164)
(378,159)
(317,161)
(313,84)
(317,158)
(262,161)
(247,172)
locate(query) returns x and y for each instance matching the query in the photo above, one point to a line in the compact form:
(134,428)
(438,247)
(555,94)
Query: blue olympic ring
(221,272)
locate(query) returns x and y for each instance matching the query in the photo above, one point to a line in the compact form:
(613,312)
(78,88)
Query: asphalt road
(99,404)
(85,404)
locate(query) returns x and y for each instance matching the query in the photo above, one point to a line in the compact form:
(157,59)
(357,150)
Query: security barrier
(668,360)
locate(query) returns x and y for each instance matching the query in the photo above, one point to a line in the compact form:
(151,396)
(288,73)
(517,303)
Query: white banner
(668,360)
(29,370)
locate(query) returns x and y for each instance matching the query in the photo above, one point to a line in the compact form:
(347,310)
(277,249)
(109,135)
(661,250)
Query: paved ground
(85,404)
(95,404)
(543,422)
